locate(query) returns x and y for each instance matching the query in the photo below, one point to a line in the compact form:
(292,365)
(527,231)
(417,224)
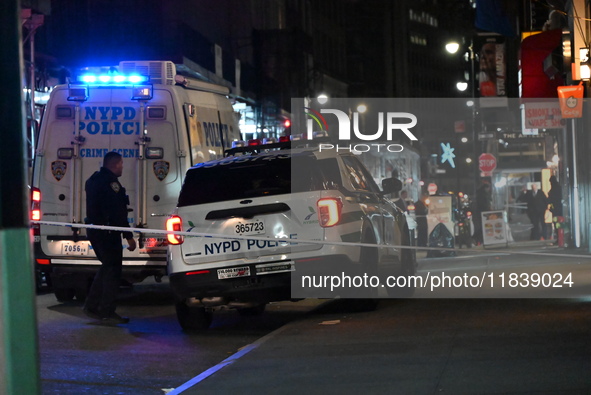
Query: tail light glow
(174,224)
(329,211)
(252,142)
(197,272)
(36,210)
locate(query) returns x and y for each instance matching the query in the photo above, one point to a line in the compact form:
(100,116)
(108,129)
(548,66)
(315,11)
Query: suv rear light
(329,211)
(174,224)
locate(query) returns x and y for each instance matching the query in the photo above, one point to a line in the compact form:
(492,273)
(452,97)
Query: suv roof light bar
(254,149)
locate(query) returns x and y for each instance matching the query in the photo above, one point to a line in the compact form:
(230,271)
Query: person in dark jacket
(537,203)
(106,204)
(421,211)
(401,201)
(555,197)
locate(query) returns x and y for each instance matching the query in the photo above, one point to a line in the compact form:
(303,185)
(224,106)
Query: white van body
(177,124)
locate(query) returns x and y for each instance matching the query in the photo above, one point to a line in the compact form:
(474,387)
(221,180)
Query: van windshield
(254,177)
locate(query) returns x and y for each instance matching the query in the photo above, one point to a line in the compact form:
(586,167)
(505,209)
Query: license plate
(71,248)
(250,227)
(271,268)
(233,272)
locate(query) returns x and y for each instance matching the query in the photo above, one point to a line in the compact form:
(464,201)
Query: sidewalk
(516,245)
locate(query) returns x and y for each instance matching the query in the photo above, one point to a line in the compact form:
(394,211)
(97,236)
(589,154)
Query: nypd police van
(160,122)
(251,210)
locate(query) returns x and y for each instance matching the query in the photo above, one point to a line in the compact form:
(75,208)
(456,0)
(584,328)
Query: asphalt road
(422,346)
(428,344)
(149,355)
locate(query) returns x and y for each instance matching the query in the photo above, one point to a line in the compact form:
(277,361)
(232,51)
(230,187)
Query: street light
(452,47)
(462,86)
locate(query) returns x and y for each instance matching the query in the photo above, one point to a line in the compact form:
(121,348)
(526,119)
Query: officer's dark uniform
(106,204)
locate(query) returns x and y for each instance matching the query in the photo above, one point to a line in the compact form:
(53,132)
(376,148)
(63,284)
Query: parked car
(277,197)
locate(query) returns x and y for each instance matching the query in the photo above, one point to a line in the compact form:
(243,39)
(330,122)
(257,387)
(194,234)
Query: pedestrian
(401,201)
(421,211)
(537,204)
(555,197)
(106,204)
(483,203)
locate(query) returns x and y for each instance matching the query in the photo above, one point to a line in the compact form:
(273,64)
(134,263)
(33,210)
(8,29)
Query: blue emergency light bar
(140,84)
(113,79)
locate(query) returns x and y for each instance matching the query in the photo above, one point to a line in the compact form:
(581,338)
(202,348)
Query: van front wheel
(64,294)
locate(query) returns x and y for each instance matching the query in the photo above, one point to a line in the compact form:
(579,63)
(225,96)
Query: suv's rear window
(248,177)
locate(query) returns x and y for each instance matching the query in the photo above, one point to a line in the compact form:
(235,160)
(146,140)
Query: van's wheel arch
(193,318)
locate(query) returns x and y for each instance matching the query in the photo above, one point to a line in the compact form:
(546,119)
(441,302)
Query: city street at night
(295,197)
(420,346)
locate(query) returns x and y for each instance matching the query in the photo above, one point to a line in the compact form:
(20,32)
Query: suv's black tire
(408,269)
(193,318)
(368,264)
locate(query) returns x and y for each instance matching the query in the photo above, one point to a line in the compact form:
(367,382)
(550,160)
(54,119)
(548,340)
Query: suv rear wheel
(368,262)
(193,318)
(408,269)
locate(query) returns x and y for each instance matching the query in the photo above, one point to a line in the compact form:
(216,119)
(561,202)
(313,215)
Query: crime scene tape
(296,241)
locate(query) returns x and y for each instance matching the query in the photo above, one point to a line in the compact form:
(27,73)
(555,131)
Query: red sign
(432,188)
(571,100)
(487,163)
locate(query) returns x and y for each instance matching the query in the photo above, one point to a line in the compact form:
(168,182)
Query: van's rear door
(74,138)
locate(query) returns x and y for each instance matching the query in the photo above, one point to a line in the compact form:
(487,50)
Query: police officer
(106,204)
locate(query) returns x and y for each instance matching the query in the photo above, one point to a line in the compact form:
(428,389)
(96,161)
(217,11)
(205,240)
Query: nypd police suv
(250,210)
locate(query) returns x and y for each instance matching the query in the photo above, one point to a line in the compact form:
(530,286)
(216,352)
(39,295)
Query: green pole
(19,364)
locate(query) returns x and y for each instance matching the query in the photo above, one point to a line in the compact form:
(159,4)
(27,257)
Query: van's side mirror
(391,185)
